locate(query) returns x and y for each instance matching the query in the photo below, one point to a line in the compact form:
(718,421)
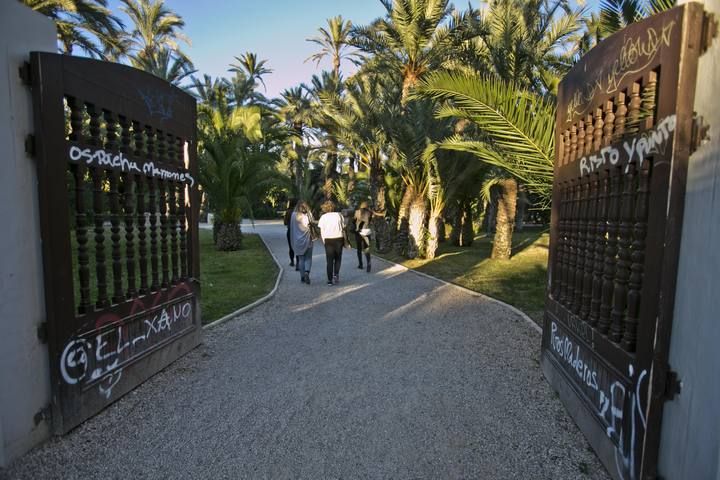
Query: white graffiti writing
(150,169)
(636,54)
(103,158)
(636,149)
(611,401)
(102,356)
(118,161)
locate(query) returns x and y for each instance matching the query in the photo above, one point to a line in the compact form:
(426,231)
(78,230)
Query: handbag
(365,232)
(314,231)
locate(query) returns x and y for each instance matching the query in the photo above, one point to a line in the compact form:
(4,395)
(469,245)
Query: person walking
(332,232)
(288,213)
(363,234)
(302,239)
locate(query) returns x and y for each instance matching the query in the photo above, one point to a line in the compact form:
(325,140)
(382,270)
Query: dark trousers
(363,246)
(292,252)
(333,256)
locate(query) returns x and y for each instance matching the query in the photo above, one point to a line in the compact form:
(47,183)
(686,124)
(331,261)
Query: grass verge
(520,281)
(231,280)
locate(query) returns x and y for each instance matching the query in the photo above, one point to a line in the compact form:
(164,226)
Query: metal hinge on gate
(710,30)
(30,145)
(43,415)
(25,74)
(42,332)
(699,133)
(673,385)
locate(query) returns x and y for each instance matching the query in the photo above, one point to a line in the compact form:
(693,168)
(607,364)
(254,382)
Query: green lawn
(231,280)
(519,281)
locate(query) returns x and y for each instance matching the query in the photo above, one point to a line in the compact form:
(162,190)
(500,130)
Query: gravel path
(387,375)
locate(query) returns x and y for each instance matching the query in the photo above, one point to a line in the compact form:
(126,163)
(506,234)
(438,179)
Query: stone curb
(256,302)
(516,310)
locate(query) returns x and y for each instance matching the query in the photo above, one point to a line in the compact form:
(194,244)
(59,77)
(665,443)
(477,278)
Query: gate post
(24,370)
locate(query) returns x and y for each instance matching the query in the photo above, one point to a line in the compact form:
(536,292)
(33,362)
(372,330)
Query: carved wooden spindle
(153,210)
(171,152)
(172,225)
(77,108)
(609,123)
(183,233)
(98,210)
(163,199)
(128,207)
(563,246)
(142,244)
(599,258)
(150,152)
(161,146)
(622,271)
(113,193)
(81,221)
(81,217)
(581,139)
(580,246)
(572,244)
(139,138)
(573,143)
(649,100)
(632,124)
(590,237)
(589,134)
(99,220)
(566,148)
(629,339)
(620,113)
(557,266)
(610,250)
(598,129)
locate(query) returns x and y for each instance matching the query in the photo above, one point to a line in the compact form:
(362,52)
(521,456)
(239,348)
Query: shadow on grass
(519,281)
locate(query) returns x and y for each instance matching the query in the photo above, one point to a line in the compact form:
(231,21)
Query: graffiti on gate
(635,55)
(101,357)
(118,161)
(610,398)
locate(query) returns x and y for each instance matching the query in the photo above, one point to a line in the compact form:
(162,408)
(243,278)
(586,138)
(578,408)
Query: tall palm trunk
(330,171)
(467,232)
(416,226)
(351,177)
(456,224)
(505,220)
(436,234)
(403,220)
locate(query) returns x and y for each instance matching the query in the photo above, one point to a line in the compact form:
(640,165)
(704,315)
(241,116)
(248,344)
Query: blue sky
(274,29)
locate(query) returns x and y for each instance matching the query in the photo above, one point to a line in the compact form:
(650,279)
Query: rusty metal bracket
(699,133)
(710,30)
(673,385)
(25,74)
(43,415)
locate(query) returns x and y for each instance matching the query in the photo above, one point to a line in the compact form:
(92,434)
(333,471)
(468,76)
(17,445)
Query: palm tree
(86,24)
(411,39)
(155,27)
(164,64)
(515,129)
(334,43)
(618,14)
(235,169)
(295,109)
(254,69)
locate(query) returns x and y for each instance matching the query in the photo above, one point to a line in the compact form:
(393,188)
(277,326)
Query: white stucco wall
(690,439)
(24,370)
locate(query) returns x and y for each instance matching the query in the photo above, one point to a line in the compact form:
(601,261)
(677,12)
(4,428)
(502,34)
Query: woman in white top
(302,241)
(332,232)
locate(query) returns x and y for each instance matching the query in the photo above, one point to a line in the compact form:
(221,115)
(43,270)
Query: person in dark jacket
(288,213)
(363,234)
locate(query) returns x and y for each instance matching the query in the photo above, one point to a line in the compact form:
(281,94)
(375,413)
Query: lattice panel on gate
(119,204)
(623,125)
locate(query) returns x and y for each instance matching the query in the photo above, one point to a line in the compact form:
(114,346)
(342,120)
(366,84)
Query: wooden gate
(624,126)
(116,153)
